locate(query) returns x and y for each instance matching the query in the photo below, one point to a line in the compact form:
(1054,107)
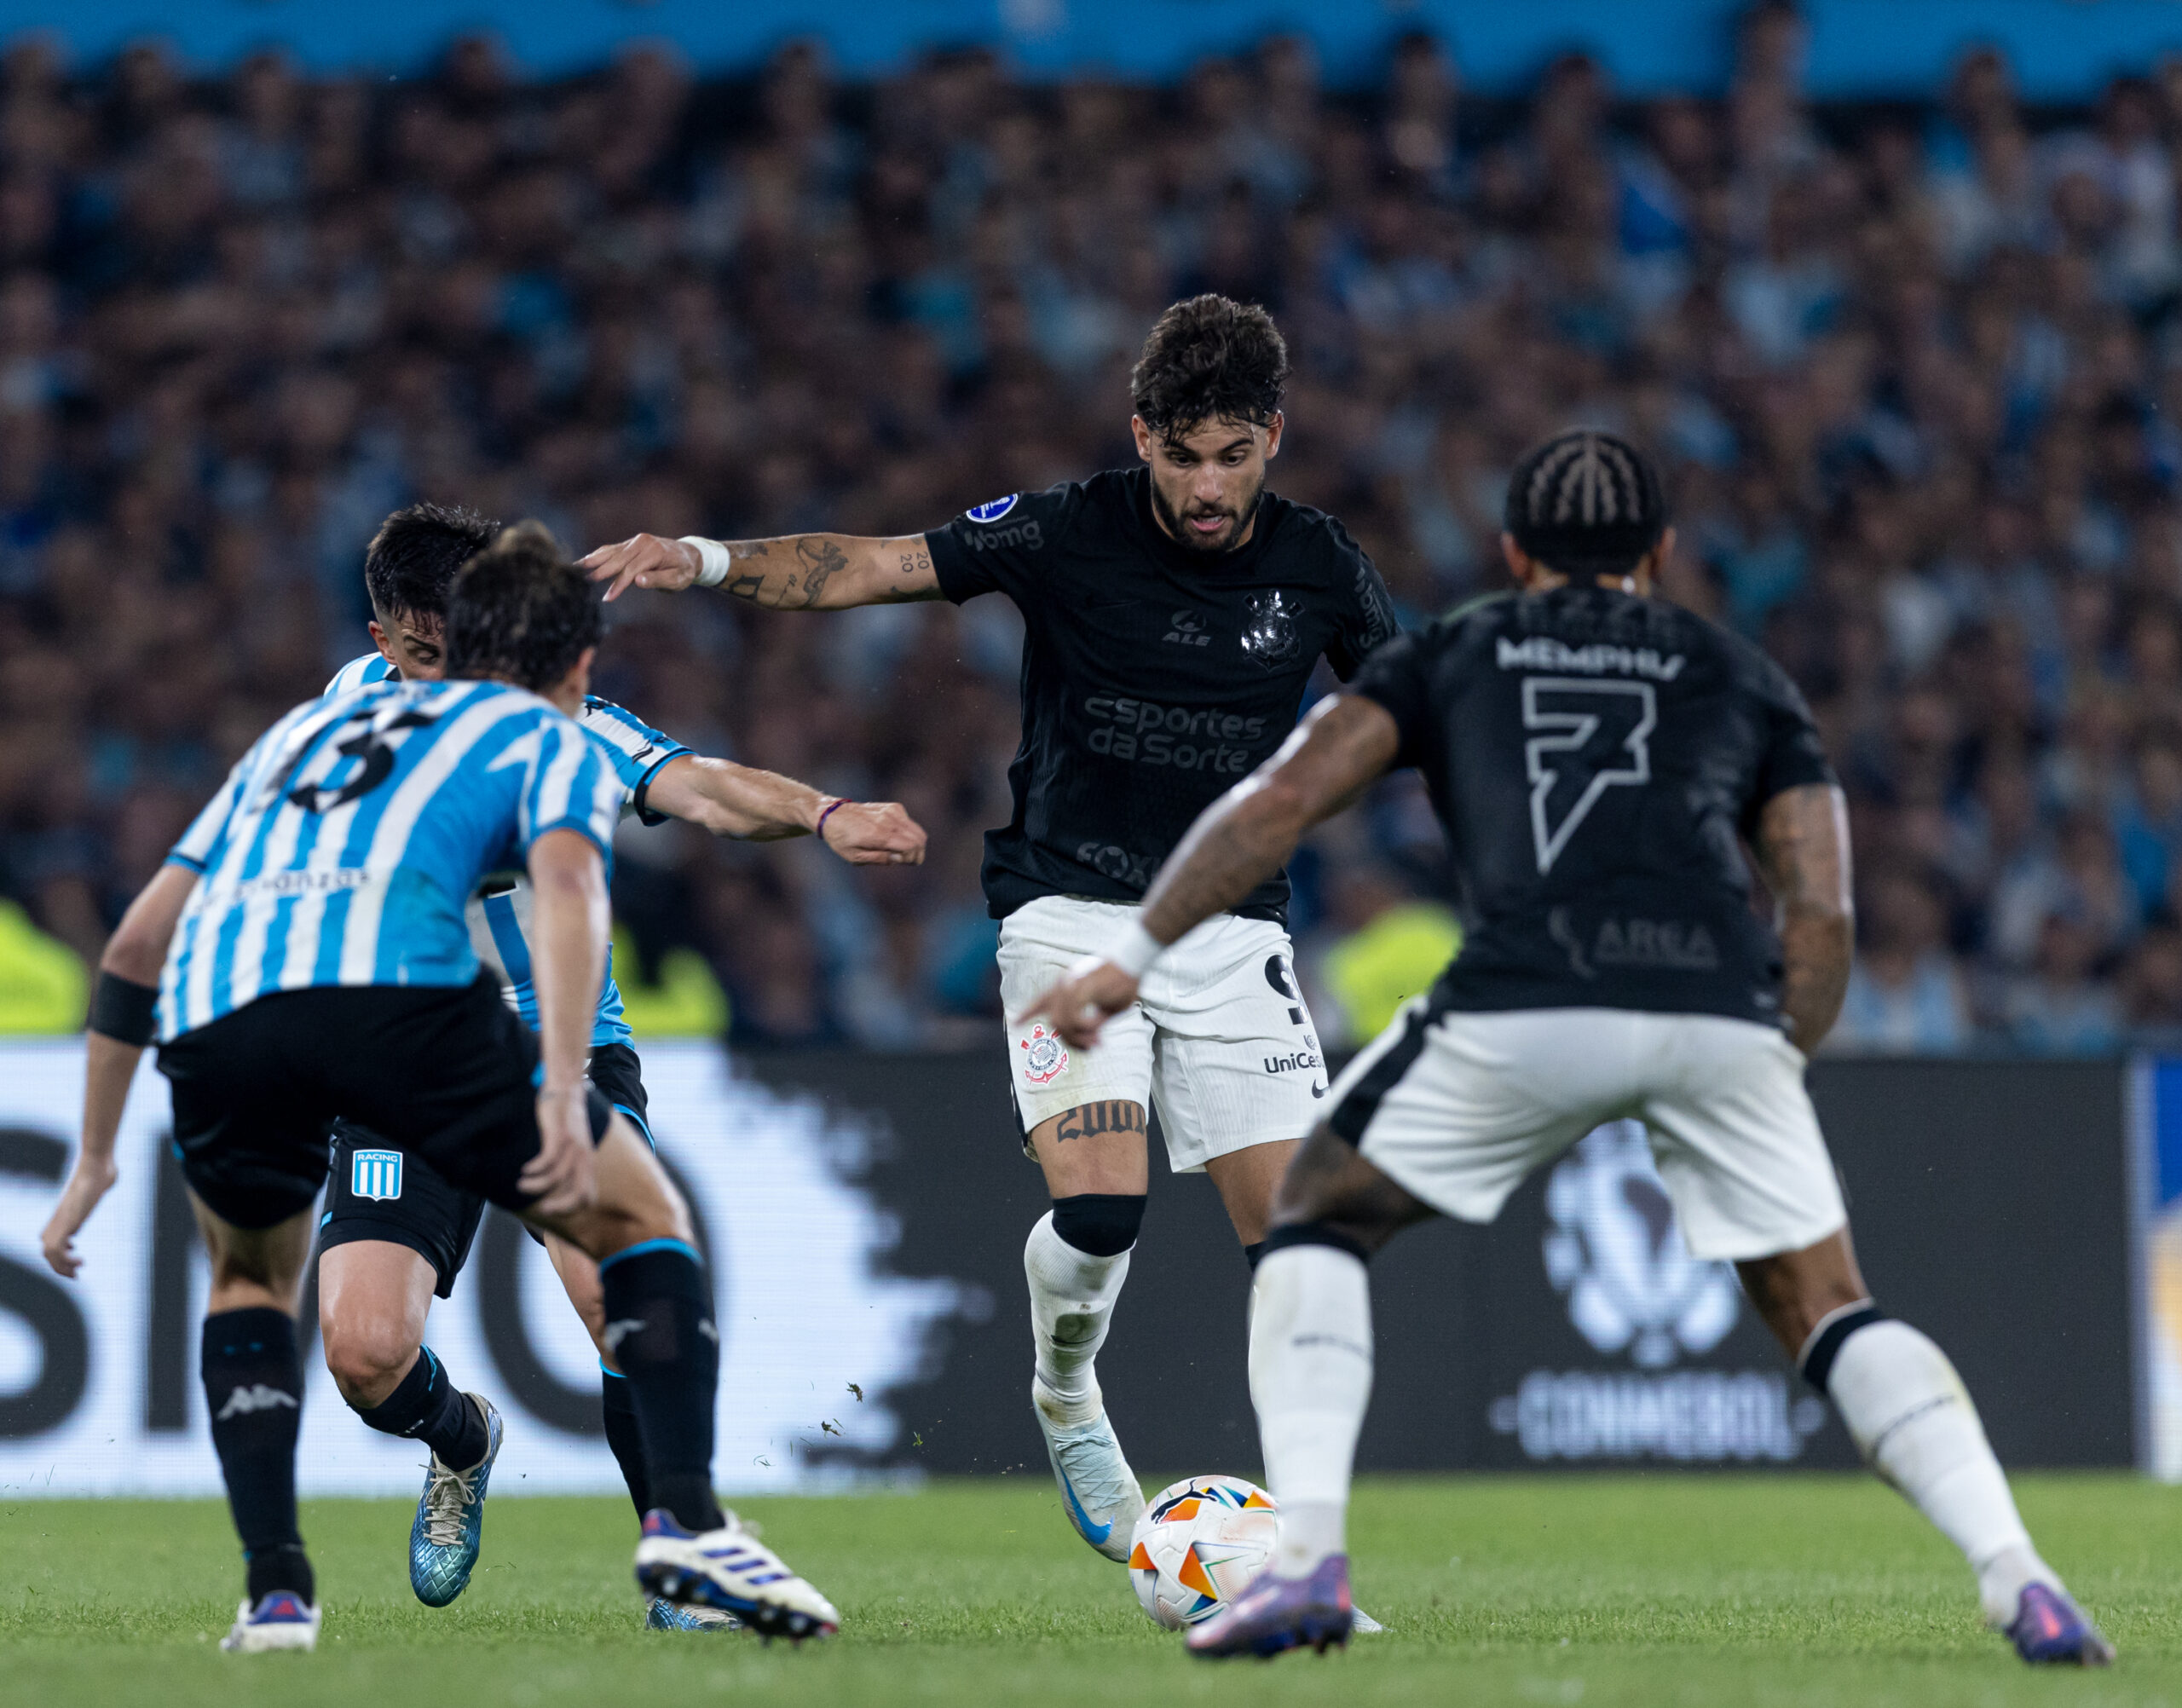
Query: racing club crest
(994,510)
(1046,1057)
(1271,636)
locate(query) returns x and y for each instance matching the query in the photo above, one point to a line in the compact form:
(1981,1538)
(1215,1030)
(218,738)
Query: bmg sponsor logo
(1612,1250)
(1147,734)
(1027,534)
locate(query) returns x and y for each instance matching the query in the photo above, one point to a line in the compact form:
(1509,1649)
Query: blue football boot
(664,1616)
(1276,1614)
(2052,1631)
(450,1527)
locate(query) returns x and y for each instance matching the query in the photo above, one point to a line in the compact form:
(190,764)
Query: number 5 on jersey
(1598,736)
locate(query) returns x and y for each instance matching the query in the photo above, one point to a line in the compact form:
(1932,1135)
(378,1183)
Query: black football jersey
(1594,757)
(1154,678)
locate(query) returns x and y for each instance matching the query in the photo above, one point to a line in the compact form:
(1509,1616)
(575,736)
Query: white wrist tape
(716,560)
(1134,950)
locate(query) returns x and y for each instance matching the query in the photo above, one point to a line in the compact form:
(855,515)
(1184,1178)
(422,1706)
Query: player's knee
(1099,1224)
(367,1359)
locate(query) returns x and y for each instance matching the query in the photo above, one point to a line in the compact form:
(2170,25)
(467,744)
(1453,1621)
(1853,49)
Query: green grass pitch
(1640,1589)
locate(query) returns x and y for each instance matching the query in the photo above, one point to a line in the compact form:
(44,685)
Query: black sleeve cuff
(123,1010)
(952,567)
(645,816)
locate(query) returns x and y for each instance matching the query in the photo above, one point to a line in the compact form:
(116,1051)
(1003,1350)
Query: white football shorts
(1458,1108)
(1219,1042)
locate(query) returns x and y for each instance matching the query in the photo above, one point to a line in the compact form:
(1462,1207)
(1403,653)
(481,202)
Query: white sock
(1310,1381)
(1913,1422)
(1072,1296)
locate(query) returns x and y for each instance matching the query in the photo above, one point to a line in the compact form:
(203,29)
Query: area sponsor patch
(1045,1057)
(995,510)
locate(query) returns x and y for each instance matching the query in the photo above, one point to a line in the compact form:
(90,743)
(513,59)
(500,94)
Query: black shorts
(444,1074)
(373,1191)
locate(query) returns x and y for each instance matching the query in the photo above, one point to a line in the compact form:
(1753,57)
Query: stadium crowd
(1915,370)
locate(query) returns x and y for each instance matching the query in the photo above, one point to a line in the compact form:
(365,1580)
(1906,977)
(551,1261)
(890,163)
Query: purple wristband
(839,803)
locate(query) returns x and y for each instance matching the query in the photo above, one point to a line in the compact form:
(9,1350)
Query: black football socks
(660,1329)
(624,1437)
(426,1406)
(254,1391)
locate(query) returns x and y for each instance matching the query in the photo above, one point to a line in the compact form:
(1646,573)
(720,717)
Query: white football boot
(731,1571)
(281,1620)
(1098,1491)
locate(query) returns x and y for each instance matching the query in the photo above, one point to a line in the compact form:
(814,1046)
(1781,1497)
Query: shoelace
(445,1496)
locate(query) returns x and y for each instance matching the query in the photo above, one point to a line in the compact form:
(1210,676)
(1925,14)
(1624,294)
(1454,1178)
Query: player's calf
(252,1372)
(1074,1262)
(1915,1425)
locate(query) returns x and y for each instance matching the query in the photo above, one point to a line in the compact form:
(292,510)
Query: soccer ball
(1198,1545)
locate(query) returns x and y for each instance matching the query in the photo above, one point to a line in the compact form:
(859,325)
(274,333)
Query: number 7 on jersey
(1598,736)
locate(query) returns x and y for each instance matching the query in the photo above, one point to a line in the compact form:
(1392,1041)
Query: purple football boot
(1276,1614)
(2052,1631)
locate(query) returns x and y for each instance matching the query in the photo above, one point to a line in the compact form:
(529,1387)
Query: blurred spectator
(1912,376)
(2056,1008)
(1905,996)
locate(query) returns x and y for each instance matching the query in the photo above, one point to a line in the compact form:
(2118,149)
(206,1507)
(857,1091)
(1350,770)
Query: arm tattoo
(752,586)
(1803,847)
(917,562)
(822,561)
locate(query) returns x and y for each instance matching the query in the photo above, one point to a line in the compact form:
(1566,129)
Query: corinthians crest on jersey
(1271,636)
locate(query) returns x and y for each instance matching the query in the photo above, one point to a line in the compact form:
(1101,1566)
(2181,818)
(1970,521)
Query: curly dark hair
(412,559)
(520,612)
(1209,359)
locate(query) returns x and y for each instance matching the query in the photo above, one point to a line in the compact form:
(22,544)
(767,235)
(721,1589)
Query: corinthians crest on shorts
(1272,637)
(1045,1057)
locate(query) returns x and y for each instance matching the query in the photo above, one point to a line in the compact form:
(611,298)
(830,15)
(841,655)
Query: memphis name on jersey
(499,918)
(345,843)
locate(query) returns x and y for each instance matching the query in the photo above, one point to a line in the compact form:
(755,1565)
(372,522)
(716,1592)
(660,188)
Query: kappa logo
(1613,1249)
(1045,1057)
(994,510)
(258,1396)
(375,1175)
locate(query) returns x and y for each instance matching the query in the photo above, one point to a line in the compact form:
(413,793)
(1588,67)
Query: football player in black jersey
(1599,759)
(1173,614)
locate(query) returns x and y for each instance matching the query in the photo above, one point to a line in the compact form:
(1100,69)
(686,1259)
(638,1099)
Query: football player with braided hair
(1599,760)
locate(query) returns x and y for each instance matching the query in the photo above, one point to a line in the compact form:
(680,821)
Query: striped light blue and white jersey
(345,844)
(359,672)
(499,917)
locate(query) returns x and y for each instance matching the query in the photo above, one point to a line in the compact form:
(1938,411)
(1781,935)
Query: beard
(1177,528)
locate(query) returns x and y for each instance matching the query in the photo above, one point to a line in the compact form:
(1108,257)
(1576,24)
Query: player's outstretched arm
(570,919)
(120,1027)
(753,805)
(1802,848)
(797,571)
(1240,840)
